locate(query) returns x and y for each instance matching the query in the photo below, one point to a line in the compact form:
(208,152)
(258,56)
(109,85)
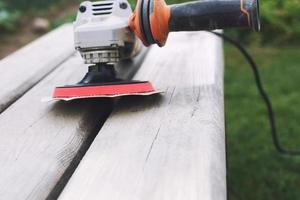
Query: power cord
(263,94)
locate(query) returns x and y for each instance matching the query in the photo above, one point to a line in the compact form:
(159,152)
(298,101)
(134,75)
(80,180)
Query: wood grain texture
(168,147)
(42,143)
(24,68)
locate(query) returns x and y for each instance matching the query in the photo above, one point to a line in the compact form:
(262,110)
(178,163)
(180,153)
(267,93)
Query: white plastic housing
(102,24)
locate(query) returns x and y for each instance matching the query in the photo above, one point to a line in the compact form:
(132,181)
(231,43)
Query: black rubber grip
(214,14)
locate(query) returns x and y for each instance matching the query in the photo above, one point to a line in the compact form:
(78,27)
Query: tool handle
(214,14)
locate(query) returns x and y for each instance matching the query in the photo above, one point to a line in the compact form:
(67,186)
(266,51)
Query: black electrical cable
(263,94)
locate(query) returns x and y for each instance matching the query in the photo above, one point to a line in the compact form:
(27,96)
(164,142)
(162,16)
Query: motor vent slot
(100,9)
(103,13)
(104,8)
(102,4)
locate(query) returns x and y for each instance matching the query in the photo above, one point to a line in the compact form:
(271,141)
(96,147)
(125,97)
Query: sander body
(106,32)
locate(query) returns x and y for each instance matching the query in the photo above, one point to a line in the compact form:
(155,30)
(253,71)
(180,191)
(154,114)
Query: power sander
(106,32)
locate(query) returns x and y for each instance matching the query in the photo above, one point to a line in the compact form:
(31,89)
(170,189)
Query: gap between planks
(42,143)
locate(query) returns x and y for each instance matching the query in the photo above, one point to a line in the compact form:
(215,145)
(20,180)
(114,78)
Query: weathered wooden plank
(168,147)
(24,68)
(42,143)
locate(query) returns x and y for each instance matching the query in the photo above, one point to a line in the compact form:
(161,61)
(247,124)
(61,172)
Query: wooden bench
(169,146)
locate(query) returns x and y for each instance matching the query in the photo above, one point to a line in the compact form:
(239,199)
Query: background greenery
(280,18)
(255,170)
(12,11)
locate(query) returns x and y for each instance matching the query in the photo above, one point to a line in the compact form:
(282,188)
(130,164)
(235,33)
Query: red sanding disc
(103,90)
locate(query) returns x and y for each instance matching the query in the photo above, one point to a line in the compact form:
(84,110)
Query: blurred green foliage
(11,11)
(8,17)
(281,20)
(32,4)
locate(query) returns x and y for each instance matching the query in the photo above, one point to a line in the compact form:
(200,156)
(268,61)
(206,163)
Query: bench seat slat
(168,147)
(23,69)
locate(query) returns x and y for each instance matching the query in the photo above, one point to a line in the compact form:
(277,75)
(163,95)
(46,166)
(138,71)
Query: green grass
(256,170)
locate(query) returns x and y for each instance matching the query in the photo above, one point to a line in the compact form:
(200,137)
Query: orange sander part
(152,20)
